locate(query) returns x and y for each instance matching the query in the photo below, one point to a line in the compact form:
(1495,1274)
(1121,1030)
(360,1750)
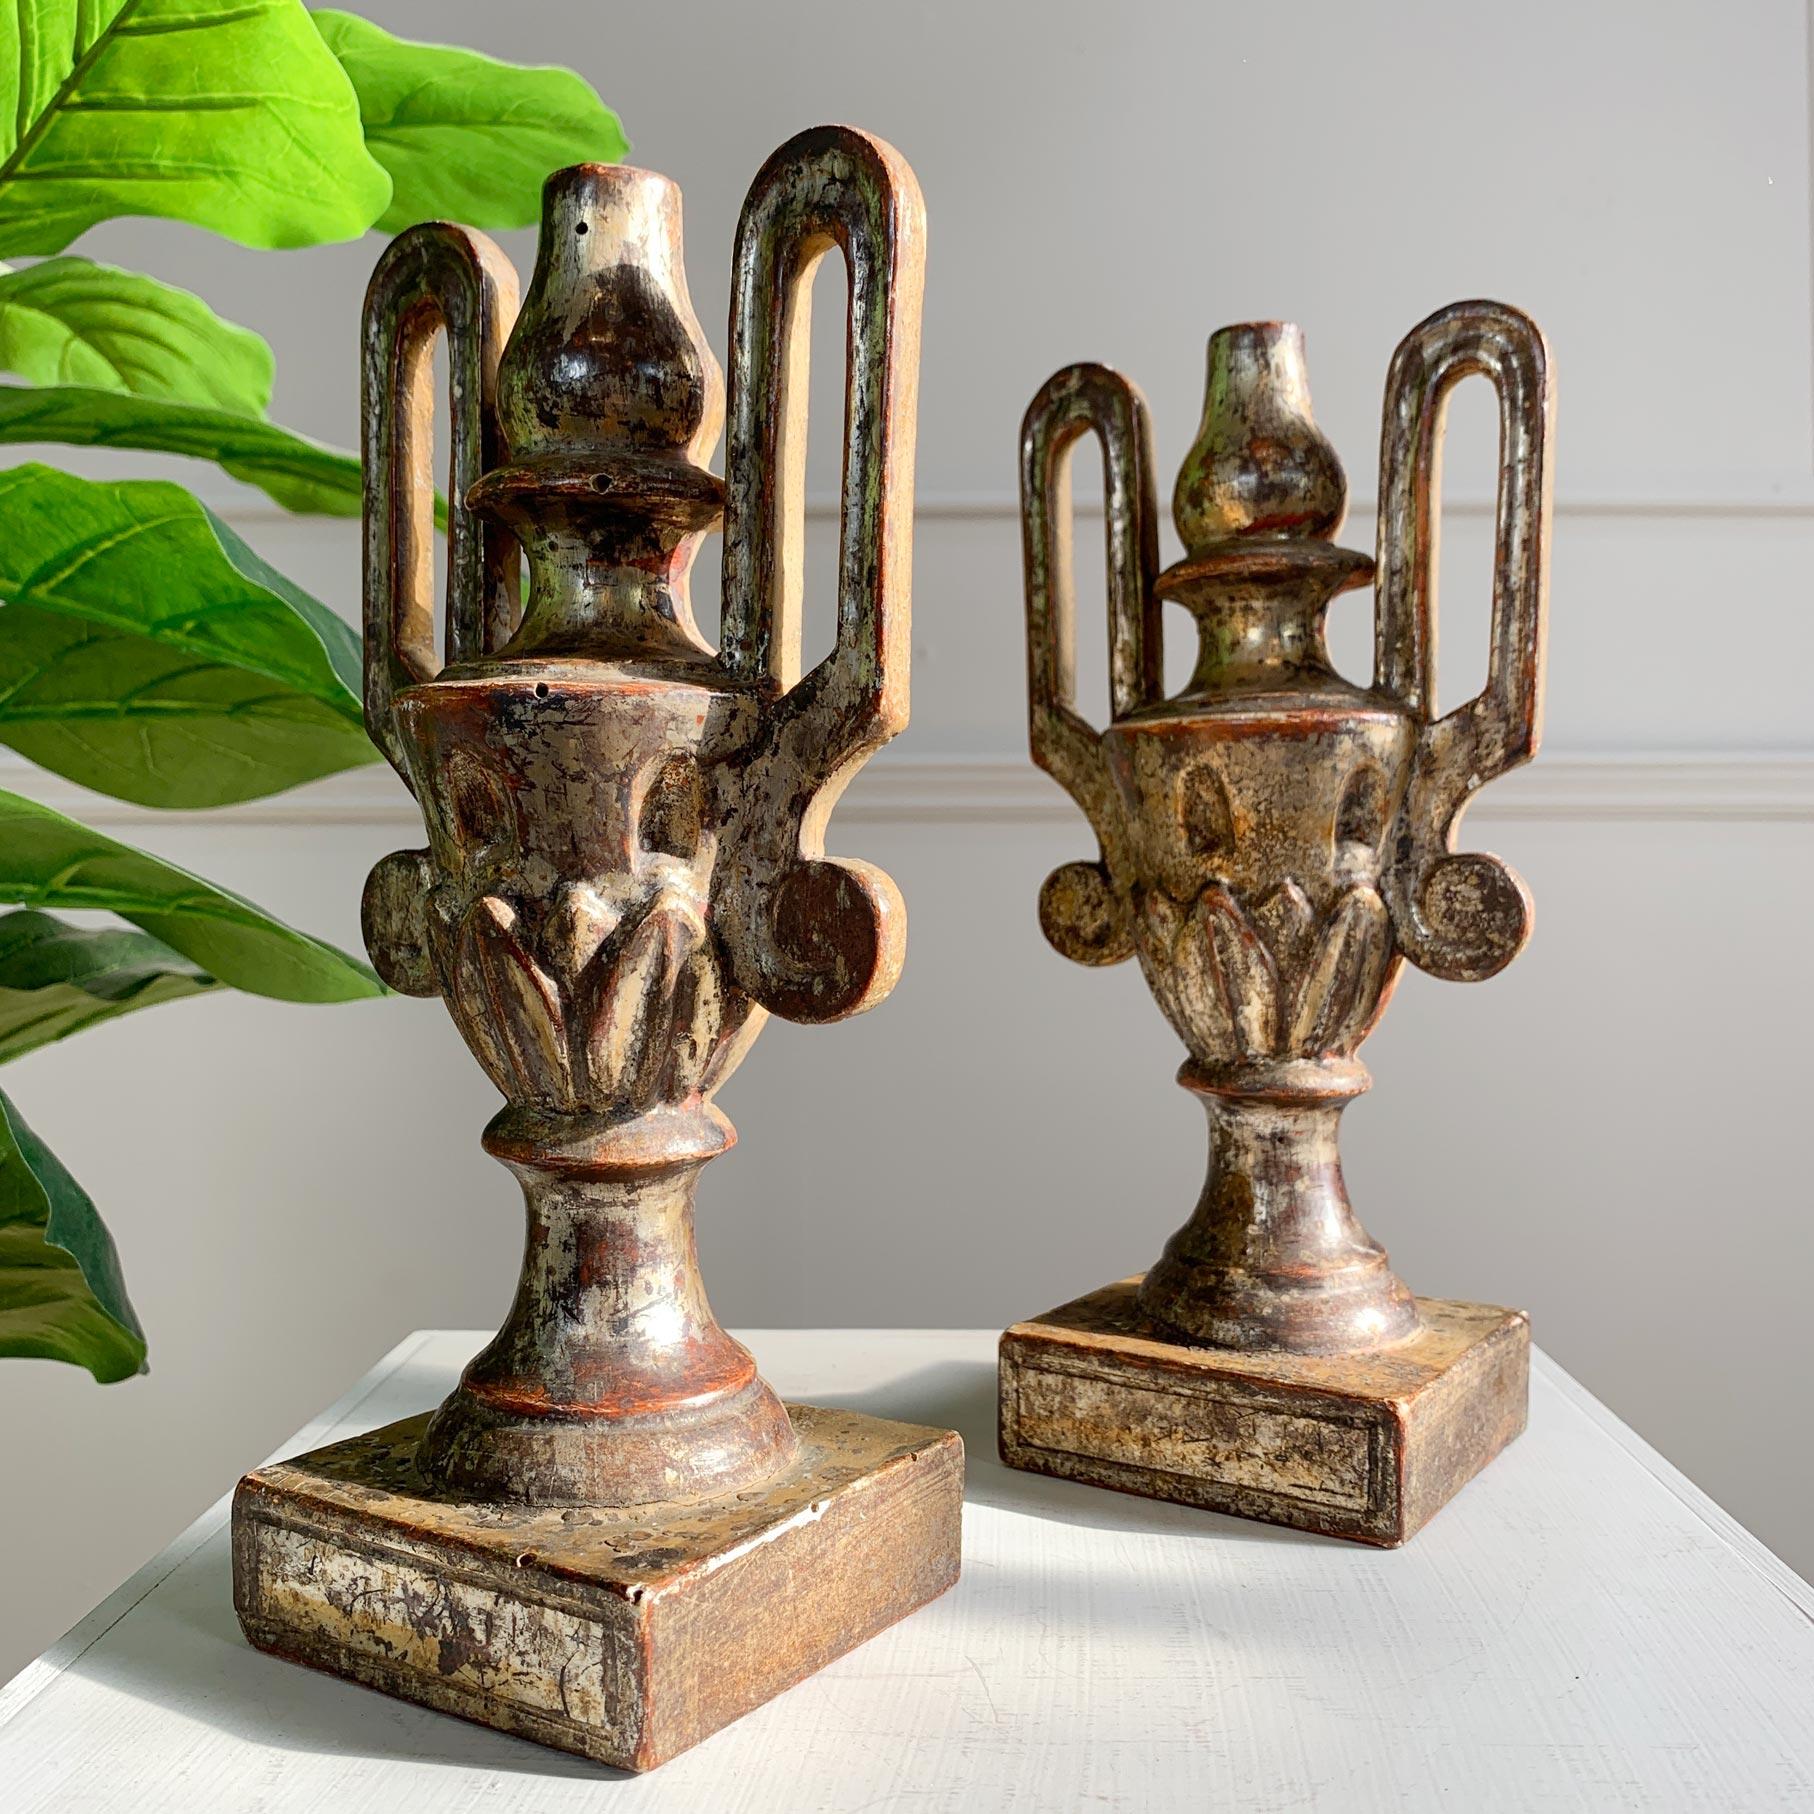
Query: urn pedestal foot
(1367,1446)
(625,1634)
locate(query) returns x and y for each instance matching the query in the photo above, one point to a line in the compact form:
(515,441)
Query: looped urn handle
(1462,916)
(817,938)
(432,279)
(1084,907)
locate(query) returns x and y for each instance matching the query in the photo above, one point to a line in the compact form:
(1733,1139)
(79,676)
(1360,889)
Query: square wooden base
(623,1634)
(1367,1446)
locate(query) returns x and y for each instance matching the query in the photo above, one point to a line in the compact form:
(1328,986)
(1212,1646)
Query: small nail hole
(525,1558)
(541,689)
(579,226)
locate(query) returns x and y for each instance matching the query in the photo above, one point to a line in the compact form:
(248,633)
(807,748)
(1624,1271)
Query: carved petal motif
(583,918)
(1340,989)
(1246,986)
(697,1062)
(636,1004)
(610,1010)
(509,1009)
(1246,976)
(1176,959)
(1287,922)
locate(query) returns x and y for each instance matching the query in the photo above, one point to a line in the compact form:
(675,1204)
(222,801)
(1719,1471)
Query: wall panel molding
(1750,787)
(1791,496)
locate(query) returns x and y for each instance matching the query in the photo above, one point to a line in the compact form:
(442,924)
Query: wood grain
(1369,1446)
(625,870)
(1274,843)
(623,1634)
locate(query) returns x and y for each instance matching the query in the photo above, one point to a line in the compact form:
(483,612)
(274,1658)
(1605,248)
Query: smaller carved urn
(1275,840)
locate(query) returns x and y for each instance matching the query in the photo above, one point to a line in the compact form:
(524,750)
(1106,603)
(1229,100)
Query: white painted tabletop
(1581,1628)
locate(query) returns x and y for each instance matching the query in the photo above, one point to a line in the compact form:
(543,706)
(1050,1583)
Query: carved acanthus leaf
(1340,989)
(607,1009)
(1246,976)
(634,1001)
(510,1010)
(1287,922)
(1176,960)
(1244,986)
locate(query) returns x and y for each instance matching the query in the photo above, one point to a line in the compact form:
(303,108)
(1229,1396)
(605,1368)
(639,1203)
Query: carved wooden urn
(625,869)
(624,875)
(1275,841)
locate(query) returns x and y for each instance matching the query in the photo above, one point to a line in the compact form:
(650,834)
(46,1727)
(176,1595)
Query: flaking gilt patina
(1274,843)
(625,874)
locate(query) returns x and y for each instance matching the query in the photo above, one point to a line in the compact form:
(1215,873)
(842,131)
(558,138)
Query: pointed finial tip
(1260,466)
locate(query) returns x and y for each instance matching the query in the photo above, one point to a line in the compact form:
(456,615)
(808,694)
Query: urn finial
(609,404)
(1260,466)
(608,356)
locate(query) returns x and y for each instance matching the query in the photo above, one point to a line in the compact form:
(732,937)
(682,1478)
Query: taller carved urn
(613,1536)
(1275,842)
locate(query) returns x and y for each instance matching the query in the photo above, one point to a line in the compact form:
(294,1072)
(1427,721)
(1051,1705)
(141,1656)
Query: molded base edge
(623,1634)
(1367,1446)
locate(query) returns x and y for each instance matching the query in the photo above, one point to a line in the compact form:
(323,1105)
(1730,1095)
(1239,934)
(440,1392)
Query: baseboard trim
(1744,787)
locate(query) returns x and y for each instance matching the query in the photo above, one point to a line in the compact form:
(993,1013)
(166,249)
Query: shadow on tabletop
(207,1671)
(961,1396)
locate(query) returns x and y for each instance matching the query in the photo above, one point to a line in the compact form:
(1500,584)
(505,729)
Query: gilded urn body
(625,870)
(1275,839)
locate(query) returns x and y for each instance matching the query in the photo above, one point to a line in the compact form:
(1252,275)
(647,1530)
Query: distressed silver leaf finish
(1273,841)
(625,869)
(625,873)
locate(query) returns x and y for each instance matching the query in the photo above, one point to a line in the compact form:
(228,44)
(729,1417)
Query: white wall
(1609,1134)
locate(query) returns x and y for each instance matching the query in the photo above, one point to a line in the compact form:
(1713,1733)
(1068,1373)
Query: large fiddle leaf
(147,652)
(231,114)
(72,321)
(463,136)
(62,1296)
(47,860)
(290,469)
(56,979)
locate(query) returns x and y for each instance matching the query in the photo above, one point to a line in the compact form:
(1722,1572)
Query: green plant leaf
(290,469)
(147,652)
(464,136)
(62,1295)
(56,979)
(47,860)
(230,114)
(72,321)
